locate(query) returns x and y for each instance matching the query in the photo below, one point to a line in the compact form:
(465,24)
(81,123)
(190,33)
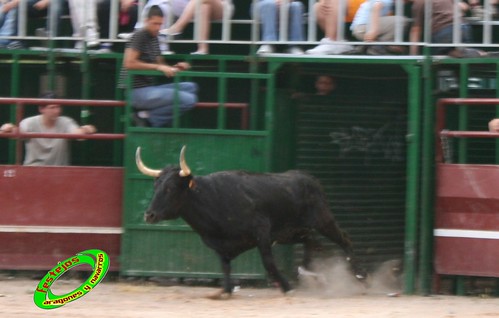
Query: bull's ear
(192,184)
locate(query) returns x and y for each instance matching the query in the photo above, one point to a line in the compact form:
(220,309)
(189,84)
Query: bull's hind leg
(332,231)
(265,250)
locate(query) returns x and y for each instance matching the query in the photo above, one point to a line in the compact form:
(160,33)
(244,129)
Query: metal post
(427,184)
(222,96)
(463,112)
(413,169)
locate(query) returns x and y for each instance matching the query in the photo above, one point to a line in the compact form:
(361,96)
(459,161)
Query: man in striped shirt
(155,103)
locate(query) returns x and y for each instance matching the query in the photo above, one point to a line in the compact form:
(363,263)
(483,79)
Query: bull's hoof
(219,295)
(289,293)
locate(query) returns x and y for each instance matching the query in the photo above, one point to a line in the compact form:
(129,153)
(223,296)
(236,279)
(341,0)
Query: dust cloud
(332,277)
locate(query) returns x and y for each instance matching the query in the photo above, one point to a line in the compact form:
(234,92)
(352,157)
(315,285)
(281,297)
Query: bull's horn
(142,168)
(184,168)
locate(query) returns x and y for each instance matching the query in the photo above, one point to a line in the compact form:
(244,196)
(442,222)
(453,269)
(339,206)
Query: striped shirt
(148,46)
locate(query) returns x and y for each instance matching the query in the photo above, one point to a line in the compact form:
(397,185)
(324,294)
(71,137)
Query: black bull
(234,211)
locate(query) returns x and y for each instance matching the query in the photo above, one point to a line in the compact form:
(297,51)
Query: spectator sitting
(84,21)
(327,15)
(48,151)
(8,24)
(175,7)
(154,103)
(210,10)
(374,22)
(126,20)
(442,25)
(268,12)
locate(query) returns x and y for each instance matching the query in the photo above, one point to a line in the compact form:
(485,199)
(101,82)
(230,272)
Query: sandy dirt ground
(146,299)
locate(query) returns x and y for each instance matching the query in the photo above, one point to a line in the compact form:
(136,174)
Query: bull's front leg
(227,287)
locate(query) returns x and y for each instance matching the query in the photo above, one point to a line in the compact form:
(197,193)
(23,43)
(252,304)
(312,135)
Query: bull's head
(170,189)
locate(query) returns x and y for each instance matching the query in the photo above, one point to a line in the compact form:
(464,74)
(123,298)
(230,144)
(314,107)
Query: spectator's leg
(296,21)
(84,20)
(210,10)
(158,100)
(8,25)
(267,12)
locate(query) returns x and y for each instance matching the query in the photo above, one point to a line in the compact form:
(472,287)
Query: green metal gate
(172,248)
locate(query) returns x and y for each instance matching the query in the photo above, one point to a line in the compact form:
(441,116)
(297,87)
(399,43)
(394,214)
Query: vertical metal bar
(118,115)
(312,21)
(226,23)
(456,27)
(497,116)
(487,25)
(283,20)
(413,169)
(340,28)
(463,112)
(196,19)
(222,95)
(19,144)
(22,14)
(255,24)
(427,182)
(399,21)
(113,16)
(176,100)
(269,112)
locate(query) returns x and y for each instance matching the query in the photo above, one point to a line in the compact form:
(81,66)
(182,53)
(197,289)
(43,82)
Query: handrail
(310,25)
(440,121)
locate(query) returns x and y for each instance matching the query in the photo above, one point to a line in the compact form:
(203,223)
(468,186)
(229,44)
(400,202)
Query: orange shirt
(352,7)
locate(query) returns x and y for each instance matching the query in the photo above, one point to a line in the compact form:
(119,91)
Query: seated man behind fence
(48,151)
(154,104)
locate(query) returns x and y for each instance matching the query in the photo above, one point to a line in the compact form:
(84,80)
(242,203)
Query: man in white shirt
(48,151)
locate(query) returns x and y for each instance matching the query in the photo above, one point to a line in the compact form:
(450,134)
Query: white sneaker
(325,46)
(265,49)
(294,50)
(125,36)
(92,37)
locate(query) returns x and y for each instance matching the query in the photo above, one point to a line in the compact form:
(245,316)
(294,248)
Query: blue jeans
(445,35)
(159,101)
(8,25)
(269,15)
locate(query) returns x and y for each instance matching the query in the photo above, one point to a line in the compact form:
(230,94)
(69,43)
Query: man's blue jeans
(159,101)
(268,12)
(8,25)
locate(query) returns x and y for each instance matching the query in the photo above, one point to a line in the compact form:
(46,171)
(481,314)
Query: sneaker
(139,121)
(294,50)
(325,47)
(265,49)
(15,45)
(125,36)
(92,37)
(169,31)
(199,53)
(105,48)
